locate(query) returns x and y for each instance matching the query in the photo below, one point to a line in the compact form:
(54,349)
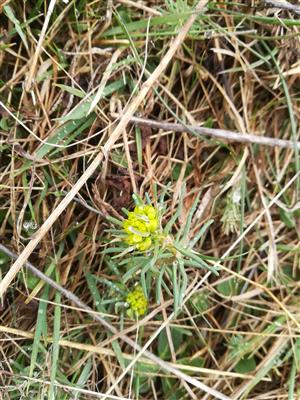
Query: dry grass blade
(33,63)
(105,351)
(272,257)
(104,109)
(104,80)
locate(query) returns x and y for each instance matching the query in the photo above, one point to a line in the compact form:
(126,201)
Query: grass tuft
(173,272)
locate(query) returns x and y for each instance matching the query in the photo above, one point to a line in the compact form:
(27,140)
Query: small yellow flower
(144,245)
(137,302)
(141,226)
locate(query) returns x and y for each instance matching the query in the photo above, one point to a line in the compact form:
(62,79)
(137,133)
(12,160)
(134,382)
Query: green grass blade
(40,330)
(94,292)
(9,12)
(83,377)
(55,347)
(184,280)
(200,233)
(81,110)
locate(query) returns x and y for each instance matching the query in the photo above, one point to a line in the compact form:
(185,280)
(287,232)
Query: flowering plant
(143,233)
(142,227)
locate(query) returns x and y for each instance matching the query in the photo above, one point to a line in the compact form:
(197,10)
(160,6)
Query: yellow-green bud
(137,302)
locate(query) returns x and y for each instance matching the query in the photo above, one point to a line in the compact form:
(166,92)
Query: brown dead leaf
(25,313)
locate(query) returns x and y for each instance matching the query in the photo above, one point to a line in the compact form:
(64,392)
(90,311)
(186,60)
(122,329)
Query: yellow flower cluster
(137,302)
(140,226)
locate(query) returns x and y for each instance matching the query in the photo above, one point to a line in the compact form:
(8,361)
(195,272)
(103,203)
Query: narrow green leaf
(287,218)
(9,13)
(81,110)
(200,233)
(41,329)
(139,148)
(58,137)
(71,90)
(55,347)
(83,377)
(94,292)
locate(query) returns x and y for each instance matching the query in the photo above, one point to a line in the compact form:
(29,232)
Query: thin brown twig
(217,133)
(284,5)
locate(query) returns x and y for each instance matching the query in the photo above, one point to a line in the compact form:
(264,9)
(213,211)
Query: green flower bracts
(137,302)
(141,227)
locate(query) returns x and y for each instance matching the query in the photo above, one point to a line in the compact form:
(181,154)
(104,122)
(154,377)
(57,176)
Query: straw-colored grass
(193,107)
